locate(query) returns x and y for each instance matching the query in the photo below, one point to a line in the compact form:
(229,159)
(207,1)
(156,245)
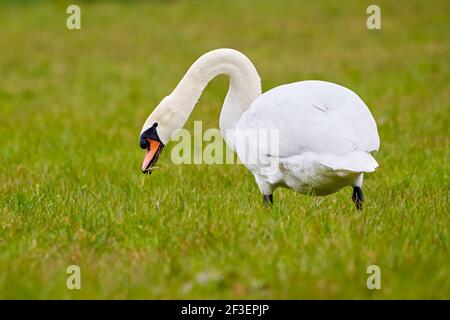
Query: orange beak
(151,156)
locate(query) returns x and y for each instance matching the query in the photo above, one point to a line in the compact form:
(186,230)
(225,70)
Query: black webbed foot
(358,197)
(268,200)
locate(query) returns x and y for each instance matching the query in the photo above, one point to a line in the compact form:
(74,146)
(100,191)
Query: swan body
(325,132)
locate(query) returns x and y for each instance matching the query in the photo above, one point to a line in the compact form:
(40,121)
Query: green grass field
(72,104)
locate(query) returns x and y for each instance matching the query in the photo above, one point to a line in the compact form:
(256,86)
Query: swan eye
(151,134)
(143,143)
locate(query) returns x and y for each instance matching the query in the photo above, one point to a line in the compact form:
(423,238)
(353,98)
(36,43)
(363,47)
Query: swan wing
(313,116)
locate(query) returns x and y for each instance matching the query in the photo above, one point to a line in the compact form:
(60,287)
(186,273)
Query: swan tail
(357,161)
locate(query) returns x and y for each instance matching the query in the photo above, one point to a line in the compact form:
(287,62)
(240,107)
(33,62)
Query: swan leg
(266,189)
(268,200)
(358,196)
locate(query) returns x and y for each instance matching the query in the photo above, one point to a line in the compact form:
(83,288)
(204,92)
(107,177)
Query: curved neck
(245,86)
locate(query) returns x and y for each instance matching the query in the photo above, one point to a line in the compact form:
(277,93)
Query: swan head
(157,130)
(150,141)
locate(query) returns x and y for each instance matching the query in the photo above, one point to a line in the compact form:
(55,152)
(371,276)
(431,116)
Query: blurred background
(72,103)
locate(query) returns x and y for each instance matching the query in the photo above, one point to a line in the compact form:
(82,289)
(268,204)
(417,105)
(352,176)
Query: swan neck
(244,87)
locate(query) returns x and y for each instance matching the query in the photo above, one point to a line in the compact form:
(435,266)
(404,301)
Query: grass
(72,104)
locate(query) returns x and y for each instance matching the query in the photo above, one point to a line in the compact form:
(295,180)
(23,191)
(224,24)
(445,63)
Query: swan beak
(154,148)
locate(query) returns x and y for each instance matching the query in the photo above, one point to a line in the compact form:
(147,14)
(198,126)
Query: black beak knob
(150,133)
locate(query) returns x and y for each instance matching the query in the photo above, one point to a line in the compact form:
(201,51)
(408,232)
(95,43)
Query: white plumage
(325,132)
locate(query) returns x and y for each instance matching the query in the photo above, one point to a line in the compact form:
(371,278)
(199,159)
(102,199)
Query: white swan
(325,131)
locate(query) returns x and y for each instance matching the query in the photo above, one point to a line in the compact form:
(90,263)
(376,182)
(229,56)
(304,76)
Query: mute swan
(325,131)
